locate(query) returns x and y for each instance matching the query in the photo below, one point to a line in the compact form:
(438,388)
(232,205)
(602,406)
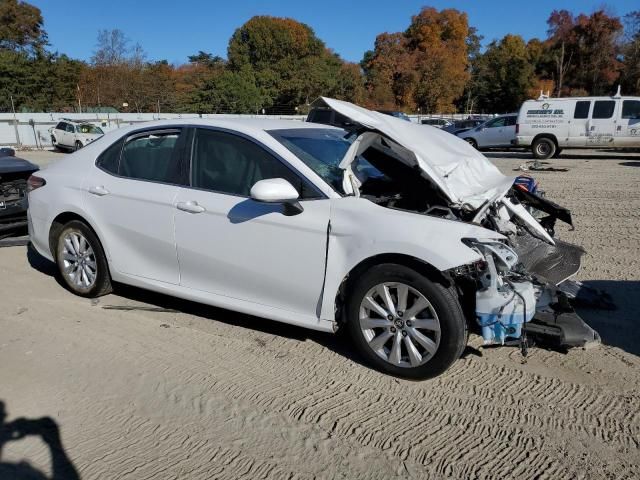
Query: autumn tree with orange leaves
(425,67)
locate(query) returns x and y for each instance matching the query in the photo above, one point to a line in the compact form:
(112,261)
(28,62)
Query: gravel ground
(171,389)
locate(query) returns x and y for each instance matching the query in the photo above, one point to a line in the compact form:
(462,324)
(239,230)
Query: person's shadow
(45,428)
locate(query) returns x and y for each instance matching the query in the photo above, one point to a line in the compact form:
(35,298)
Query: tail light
(517,128)
(35,182)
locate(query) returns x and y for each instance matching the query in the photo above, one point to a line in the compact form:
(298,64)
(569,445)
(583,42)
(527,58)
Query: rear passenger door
(601,126)
(130,199)
(628,126)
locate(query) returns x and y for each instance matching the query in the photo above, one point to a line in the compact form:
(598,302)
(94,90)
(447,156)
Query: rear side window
(110,158)
(631,109)
(604,109)
(510,121)
(70,128)
(582,109)
(154,156)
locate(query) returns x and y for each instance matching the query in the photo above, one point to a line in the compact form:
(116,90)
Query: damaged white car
(406,236)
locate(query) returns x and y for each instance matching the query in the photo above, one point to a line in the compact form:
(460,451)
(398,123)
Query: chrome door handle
(99,191)
(191,207)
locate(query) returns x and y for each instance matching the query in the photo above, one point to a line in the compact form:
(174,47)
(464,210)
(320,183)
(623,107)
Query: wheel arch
(420,266)
(550,136)
(62,219)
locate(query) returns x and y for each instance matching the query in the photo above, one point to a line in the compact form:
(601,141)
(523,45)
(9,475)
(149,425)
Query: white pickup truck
(548,125)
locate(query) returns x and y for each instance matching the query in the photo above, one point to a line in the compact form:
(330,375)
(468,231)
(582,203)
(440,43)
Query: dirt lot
(169,389)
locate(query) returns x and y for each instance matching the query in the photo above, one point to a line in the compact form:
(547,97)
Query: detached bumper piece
(565,329)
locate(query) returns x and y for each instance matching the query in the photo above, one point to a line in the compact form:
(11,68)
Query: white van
(548,125)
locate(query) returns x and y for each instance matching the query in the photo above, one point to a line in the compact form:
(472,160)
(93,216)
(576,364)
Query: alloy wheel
(78,261)
(399,324)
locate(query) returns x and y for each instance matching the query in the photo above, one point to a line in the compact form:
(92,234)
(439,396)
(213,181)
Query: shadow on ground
(158,302)
(619,328)
(47,430)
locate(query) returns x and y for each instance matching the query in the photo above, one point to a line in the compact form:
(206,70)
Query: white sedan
(401,235)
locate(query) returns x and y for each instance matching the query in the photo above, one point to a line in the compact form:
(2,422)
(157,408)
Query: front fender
(361,229)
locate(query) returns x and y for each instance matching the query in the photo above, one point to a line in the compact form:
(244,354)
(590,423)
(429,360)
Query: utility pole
(79,104)
(15,122)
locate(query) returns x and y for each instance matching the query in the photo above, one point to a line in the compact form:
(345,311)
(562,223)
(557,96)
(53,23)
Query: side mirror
(277,190)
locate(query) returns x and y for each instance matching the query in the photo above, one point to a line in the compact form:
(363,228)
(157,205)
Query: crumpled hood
(463,174)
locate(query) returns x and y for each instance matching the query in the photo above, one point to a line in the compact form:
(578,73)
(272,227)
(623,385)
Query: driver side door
(233,246)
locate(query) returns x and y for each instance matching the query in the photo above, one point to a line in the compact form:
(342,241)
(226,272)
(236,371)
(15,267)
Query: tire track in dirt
(578,411)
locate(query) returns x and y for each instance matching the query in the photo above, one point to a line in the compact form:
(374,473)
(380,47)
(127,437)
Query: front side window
(60,126)
(510,121)
(631,109)
(70,128)
(154,156)
(604,109)
(227,163)
(582,109)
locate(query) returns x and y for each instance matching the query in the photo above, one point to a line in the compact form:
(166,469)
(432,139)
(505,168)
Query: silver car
(497,132)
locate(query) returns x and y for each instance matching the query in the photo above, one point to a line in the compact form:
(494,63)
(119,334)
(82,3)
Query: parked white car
(404,235)
(548,125)
(499,132)
(72,135)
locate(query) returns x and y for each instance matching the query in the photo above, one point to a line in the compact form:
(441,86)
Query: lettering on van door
(545,117)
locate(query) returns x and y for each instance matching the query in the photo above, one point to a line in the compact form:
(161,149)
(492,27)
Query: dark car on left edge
(14,175)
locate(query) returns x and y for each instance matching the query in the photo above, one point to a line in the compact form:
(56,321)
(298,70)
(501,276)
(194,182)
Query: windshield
(322,150)
(91,129)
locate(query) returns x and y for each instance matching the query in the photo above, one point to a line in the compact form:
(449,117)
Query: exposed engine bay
(517,285)
(14,173)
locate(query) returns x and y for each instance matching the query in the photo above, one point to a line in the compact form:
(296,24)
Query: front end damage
(518,287)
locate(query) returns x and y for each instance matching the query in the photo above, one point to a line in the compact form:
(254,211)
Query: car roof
(240,123)
(573,99)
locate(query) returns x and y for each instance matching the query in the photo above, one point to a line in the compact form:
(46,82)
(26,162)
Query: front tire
(81,261)
(471,142)
(543,148)
(405,324)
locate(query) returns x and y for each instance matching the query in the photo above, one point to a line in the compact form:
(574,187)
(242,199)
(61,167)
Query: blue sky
(173,30)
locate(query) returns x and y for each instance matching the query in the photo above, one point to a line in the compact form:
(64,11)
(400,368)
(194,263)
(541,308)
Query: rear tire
(81,261)
(558,152)
(417,343)
(543,148)
(55,145)
(77,146)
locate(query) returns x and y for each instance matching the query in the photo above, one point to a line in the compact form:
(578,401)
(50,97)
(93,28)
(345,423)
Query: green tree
(505,75)
(21,27)
(291,66)
(631,54)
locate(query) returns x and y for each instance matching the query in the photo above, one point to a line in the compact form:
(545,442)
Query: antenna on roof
(618,94)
